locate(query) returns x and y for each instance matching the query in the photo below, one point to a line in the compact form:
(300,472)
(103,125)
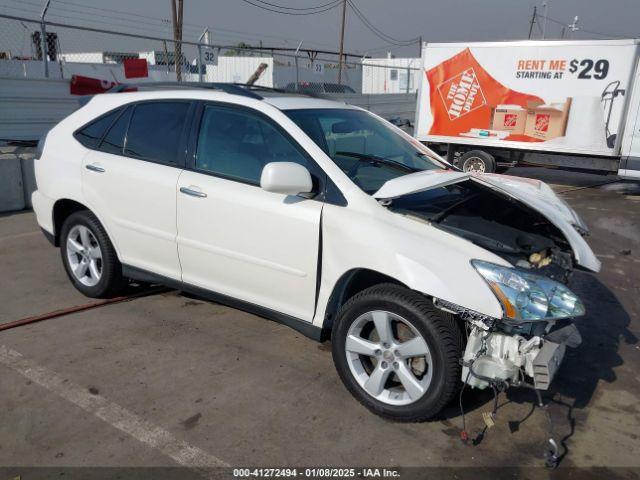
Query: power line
(386,47)
(282,51)
(71,17)
(110,17)
(157,25)
(601,34)
(379,33)
(249,49)
(197,26)
(155,21)
(333,5)
(283,7)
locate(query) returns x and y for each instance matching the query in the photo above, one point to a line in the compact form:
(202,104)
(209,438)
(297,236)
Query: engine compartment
(493,221)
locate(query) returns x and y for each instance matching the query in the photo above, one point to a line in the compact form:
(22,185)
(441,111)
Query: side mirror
(287,178)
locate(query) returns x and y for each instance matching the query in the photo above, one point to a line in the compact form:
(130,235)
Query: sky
(233,21)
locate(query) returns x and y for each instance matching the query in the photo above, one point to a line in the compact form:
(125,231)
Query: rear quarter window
(113,141)
(91,134)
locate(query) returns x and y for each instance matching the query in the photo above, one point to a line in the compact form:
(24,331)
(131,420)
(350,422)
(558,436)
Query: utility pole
(297,72)
(533,20)
(545,5)
(344,17)
(43,39)
(176,19)
(205,34)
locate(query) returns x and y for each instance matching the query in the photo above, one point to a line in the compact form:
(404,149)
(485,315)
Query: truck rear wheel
(477,161)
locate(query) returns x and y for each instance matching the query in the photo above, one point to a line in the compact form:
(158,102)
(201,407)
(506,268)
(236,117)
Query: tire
(477,161)
(440,379)
(84,229)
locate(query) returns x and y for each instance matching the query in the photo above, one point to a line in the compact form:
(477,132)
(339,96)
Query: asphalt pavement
(169,380)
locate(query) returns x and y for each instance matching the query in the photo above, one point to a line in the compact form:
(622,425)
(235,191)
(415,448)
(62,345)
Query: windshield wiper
(375,159)
(437,218)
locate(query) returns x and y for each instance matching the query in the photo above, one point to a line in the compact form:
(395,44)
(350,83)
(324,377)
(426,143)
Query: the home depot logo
(462,94)
(510,120)
(542,123)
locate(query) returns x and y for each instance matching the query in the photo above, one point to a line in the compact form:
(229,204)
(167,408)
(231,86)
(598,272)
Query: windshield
(368,150)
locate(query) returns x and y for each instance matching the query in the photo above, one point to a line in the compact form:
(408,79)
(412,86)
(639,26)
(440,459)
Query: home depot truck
(567,104)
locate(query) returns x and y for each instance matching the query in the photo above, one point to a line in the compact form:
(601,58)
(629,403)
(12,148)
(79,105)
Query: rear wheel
(89,257)
(477,161)
(396,353)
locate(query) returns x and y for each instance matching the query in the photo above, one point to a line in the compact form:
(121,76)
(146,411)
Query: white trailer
(390,75)
(567,104)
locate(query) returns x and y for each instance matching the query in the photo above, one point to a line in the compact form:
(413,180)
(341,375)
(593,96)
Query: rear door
(130,182)
(235,238)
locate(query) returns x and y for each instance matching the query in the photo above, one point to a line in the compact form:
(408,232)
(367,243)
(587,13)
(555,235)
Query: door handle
(95,168)
(191,191)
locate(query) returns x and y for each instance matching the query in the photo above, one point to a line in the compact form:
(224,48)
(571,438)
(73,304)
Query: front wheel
(396,353)
(89,257)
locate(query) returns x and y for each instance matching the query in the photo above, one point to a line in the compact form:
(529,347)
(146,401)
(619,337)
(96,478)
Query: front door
(235,238)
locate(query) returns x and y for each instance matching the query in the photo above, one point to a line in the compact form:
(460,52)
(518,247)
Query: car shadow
(605,325)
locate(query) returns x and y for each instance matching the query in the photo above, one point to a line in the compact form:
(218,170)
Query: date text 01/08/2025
(321,472)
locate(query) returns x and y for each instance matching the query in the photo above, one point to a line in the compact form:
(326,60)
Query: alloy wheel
(84,255)
(389,358)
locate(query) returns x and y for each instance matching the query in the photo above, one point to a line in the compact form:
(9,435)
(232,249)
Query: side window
(90,135)
(155,131)
(352,136)
(113,141)
(238,144)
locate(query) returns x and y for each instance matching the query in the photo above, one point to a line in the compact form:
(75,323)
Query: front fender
(415,254)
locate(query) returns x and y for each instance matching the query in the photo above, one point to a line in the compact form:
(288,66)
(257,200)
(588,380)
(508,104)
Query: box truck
(566,104)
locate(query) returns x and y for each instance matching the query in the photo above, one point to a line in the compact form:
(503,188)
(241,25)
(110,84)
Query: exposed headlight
(526,297)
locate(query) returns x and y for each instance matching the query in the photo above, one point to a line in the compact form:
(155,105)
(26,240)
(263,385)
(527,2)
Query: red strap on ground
(80,308)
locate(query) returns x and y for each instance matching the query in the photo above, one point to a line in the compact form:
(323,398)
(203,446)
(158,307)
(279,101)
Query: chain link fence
(32,49)
(44,67)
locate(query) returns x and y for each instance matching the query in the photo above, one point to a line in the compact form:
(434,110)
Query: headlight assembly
(526,297)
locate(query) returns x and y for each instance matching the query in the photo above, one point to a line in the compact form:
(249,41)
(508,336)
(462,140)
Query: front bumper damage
(504,357)
(548,360)
(500,358)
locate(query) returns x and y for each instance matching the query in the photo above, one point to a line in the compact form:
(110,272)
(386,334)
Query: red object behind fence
(135,68)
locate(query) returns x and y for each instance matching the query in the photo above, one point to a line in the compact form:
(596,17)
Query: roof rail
(232,88)
(242,89)
(259,87)
(279,90)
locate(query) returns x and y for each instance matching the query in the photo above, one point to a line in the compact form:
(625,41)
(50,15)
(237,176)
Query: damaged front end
(525,223)
(504,354)
(539,236)
(501,353)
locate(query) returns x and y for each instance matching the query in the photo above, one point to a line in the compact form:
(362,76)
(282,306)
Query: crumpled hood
(533,193)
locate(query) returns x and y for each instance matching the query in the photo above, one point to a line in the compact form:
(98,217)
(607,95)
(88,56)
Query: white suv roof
(298,102)
(218,91)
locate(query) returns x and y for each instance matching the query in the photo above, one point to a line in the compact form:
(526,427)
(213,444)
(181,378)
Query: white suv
(326,218)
